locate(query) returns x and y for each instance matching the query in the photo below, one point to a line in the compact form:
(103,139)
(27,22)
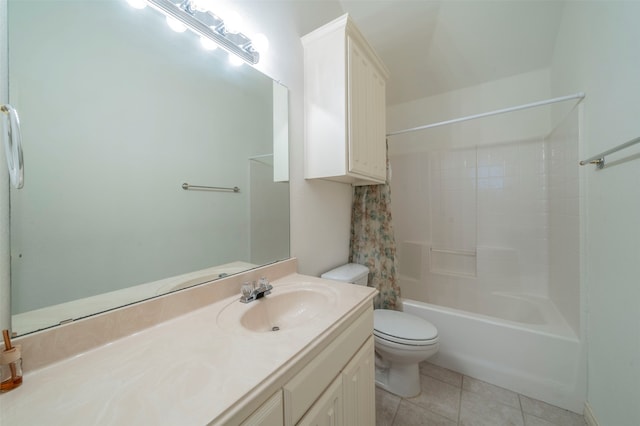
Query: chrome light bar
(209,25)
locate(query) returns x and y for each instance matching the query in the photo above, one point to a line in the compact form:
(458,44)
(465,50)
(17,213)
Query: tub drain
(275,328)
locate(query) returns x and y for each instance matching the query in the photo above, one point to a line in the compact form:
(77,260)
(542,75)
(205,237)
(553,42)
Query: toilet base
(399,379)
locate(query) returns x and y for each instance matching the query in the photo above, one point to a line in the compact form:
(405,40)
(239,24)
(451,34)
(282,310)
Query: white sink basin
(287,307)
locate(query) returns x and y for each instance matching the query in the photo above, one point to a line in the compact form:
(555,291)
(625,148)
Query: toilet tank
(349,273)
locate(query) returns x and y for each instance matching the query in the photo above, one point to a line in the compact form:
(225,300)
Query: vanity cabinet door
(327,410)
(269,414)
(303,390)
(358,387)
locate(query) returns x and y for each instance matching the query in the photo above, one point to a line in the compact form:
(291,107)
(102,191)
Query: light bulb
(137,4)
(260,42)
(208,44)
(200,5)
(234,60)
(176,25)
(232,22)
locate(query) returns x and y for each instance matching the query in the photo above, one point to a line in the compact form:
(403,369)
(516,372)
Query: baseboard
(588,415)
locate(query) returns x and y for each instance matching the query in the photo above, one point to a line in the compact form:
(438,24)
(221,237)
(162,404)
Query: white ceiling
(433,47)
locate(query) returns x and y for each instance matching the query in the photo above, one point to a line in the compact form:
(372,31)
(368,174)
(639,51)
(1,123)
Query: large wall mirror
(117,112)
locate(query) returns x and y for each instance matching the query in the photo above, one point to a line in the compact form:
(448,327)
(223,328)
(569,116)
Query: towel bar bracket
(598,160)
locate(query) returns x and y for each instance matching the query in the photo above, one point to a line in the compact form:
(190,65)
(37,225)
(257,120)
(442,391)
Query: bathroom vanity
(335,387)
(301,355)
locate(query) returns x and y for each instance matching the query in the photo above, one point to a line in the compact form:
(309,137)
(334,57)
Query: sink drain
(275,328)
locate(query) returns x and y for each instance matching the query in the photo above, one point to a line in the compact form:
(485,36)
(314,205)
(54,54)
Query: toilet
(402,340)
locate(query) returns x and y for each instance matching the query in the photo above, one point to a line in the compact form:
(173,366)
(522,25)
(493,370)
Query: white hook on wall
(12,141)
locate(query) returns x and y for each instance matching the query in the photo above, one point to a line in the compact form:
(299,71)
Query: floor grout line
(524,422)
(395,413)
(461,390)
(460,404)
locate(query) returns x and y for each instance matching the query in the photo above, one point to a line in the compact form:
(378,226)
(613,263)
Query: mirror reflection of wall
(269,214)
(117,112)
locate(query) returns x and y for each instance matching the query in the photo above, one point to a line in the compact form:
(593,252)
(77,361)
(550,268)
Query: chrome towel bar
(186,186)
(598,160)
(12,141)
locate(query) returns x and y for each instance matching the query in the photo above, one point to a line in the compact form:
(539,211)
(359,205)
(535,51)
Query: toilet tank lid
(350,272)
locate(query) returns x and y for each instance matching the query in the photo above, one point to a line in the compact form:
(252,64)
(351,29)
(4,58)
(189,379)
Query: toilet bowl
(402,341)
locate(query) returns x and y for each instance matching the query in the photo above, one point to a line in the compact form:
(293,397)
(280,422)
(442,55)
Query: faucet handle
(246,289)
(263,283)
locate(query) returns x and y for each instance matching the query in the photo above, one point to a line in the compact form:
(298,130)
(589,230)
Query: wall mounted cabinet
(345,115)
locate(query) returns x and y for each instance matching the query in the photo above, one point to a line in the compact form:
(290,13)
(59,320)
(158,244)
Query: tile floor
(452,399)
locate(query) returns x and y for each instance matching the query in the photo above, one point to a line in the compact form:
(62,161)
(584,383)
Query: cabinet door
(358,387)
(269,414)
(366,109)
(327,410)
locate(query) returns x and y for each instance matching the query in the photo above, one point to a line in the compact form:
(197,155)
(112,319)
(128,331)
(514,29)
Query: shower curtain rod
(579,95)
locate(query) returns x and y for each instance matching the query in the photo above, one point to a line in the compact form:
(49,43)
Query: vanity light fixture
(207,44)
(137,4)
(176,25)
(208,26)
(234,60)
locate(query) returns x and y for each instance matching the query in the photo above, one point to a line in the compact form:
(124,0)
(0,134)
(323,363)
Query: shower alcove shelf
(344,106)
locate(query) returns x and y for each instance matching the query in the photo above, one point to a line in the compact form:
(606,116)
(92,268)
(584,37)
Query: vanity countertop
(191,370)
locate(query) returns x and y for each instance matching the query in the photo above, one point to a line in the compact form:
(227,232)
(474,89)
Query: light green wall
(598,52)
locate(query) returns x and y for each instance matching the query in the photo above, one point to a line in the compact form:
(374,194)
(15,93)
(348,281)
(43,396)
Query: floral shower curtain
(372,241)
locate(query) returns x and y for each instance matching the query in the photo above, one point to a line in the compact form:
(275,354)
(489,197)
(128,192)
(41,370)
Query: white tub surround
(194,369)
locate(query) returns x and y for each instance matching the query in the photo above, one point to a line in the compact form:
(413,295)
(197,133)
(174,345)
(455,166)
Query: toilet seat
(402,328)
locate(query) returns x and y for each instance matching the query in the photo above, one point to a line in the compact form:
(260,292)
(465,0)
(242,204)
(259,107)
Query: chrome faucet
(250,292)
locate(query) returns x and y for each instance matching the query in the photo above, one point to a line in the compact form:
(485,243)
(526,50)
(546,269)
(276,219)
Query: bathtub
(523,345)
